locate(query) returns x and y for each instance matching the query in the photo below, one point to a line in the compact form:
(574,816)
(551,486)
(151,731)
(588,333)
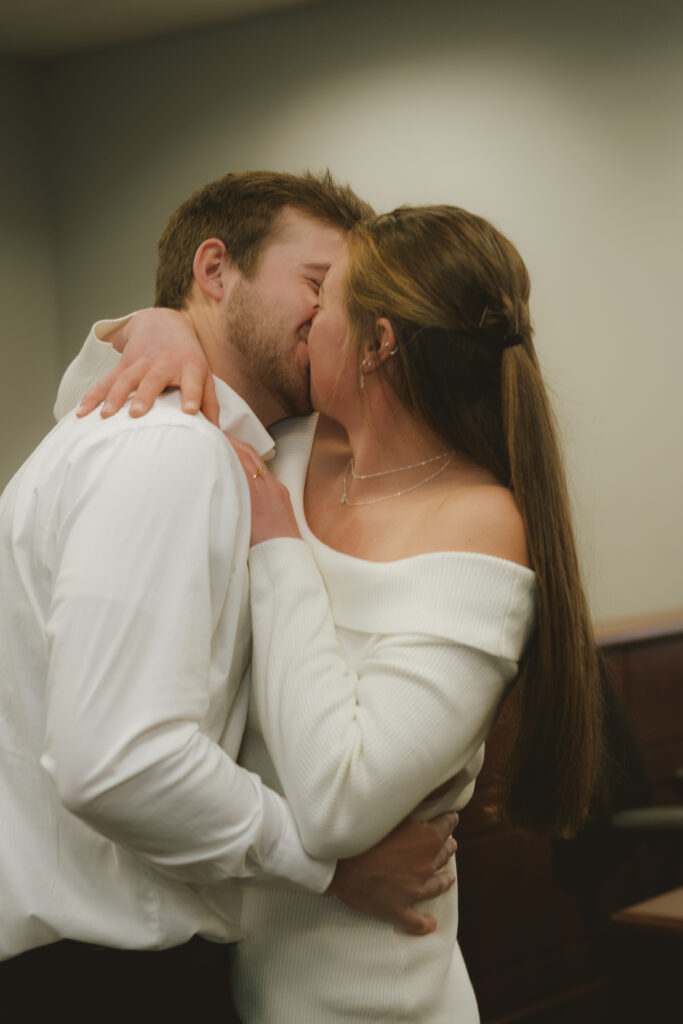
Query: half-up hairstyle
(456,292)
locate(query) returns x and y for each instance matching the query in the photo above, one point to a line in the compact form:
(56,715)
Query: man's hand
(160,349)
(408,865)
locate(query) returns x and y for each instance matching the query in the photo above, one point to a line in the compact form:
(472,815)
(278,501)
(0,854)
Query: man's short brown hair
(242,211)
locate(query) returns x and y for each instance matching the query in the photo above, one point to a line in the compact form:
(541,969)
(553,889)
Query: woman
(430,496)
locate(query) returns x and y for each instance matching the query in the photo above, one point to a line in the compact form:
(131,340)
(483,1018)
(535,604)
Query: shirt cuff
(288,859)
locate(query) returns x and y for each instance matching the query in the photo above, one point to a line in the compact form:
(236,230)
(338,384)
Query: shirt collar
(237,418)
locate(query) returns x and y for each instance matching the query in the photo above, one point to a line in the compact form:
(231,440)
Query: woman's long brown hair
(456,292)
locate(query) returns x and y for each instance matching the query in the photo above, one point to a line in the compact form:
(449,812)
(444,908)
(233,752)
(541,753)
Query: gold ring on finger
(259,472)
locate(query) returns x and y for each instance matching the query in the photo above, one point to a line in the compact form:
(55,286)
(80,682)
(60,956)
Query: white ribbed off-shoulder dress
(373,683)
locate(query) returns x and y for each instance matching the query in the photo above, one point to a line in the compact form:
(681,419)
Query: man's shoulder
(166,412)
(165,440)
(165,426)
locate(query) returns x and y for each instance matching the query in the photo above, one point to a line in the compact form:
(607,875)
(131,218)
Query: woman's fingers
(113,390)
(271,509)
(209,405)
(98,393)
(246,454)
(148,389)
(145,383)
(128,381)
(192,384)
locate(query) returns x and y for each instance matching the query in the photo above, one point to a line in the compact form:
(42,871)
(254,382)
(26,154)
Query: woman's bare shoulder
(482,518)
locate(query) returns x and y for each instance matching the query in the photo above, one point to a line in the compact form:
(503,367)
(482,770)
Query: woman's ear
(386,342)
(210,260)
(380,347)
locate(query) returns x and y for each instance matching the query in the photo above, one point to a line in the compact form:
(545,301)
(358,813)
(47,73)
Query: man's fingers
(445,853)
(446,823)
(437,885)
(415,923)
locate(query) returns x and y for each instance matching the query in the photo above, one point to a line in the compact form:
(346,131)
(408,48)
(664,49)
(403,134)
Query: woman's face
(334,377)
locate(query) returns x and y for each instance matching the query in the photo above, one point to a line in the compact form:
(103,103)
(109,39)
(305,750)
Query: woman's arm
(357,751)
(159,349)
(95,359)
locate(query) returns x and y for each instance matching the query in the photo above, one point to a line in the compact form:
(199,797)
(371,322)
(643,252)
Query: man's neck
(231,365)
(260,399)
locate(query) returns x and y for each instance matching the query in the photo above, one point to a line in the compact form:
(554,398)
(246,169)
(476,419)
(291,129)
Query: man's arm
(148,545)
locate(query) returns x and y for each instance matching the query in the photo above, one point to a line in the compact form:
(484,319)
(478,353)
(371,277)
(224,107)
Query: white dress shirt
(124,635)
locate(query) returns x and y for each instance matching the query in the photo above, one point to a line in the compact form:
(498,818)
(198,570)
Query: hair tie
(510,340)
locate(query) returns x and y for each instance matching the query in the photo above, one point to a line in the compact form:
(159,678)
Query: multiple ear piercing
(369,363)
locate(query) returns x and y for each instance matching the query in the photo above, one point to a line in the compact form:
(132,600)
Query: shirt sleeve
(356,751)
(95,359)
(150,533)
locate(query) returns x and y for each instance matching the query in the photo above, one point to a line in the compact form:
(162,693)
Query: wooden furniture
(663,913)
(535,922)
(647,954)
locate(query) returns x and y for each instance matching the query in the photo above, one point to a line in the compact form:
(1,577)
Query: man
(124,629)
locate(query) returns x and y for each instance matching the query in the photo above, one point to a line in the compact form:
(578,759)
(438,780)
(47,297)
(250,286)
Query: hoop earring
(392,351)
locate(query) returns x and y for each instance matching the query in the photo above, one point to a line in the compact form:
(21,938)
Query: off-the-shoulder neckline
(305,430)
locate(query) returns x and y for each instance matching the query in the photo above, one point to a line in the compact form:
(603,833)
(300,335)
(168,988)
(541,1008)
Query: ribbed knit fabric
(95,359)
(370,689)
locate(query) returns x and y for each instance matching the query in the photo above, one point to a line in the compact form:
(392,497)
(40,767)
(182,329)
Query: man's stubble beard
(259,334)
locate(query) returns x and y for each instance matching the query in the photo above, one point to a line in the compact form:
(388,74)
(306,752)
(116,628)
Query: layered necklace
(351,468)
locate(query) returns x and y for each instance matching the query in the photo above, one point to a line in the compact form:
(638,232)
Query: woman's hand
(271,509)
(160,350)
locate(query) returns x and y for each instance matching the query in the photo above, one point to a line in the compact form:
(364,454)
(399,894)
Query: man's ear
(210,261)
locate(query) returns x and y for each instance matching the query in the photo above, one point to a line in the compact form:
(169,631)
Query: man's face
(268,317)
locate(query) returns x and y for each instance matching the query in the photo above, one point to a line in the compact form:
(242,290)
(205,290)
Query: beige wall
(29,341)
(565,130)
